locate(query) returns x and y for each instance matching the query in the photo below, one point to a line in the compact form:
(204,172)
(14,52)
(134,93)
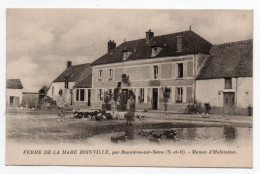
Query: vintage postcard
(129,87)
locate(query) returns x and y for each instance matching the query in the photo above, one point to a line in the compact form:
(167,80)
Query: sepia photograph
(129,87)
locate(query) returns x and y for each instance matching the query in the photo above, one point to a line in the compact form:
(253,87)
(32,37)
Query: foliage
(108,96)
(207,107)
(166,95)
(126,79)
(43,90)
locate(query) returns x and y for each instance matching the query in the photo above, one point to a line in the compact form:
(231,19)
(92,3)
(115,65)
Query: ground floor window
(99,95)
(141,95)
(80,95)
(179,95)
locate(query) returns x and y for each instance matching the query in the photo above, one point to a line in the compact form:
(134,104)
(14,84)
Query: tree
(166,95)
(43,92)
(108,96)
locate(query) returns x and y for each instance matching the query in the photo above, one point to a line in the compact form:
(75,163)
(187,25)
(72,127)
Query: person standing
(130,110)
(60,105)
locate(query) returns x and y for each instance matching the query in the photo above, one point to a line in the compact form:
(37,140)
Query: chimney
(179,43)
(69,63)
(149,36)
(111,45)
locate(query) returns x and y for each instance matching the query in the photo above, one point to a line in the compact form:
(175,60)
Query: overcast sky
(40,41)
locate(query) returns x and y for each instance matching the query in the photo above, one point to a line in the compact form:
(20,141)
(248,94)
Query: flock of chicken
(169,134)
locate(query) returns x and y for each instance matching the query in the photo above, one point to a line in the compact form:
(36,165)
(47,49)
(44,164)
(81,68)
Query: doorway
(11,101)
(229,103)
(89,96)
(155,99)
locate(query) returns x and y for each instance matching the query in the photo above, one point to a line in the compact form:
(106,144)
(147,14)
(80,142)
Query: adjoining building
(66,81)
(171,60)
(82,92)
(30,99)
(14,92)
(226,79)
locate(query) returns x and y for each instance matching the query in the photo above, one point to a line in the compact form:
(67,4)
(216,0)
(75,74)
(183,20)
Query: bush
(207,107)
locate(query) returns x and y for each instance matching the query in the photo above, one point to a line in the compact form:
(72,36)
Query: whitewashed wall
(211,90)
(14,92)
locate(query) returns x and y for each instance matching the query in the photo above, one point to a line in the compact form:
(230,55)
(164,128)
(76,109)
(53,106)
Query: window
(228,83)
(180,70)
(141,95)
(100,74)
(179,95)
(66,82)
(52,90)
(99,95)
(110,91)
(155,72)
(80,95)
(110,74)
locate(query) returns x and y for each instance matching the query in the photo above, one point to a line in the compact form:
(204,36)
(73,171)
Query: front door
(229,103)
(155,99)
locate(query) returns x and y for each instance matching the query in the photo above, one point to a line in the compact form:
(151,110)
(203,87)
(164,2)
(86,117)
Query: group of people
(130,108)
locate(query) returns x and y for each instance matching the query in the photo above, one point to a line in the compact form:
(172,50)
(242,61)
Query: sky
(39,42)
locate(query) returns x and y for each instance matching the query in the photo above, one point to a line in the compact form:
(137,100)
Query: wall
(66,92)
(141,76)
(81,104)
(13,92)
(211,90)
(30,100)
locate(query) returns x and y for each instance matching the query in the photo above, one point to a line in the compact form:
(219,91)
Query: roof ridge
(234,42)
(155,36)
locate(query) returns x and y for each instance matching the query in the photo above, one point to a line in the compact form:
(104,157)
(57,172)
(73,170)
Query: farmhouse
(66,82)
(14,91)
(149,64)
(226,79)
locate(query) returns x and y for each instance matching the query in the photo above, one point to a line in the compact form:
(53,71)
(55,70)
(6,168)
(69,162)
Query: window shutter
(172,97)
(184,69)
(145,95)
(189,94)
(175,70)
(190,69)
(184,99)
(94,95)
(150,72)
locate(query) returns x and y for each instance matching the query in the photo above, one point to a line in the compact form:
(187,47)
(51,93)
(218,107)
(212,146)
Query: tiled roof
(229,60)
(14,84)
(192,43)
(85,83)
(72,73)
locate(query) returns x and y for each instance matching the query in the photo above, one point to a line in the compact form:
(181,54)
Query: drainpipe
(194,75)
(236,96)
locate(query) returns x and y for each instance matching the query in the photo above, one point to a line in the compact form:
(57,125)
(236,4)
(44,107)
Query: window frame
(111,73)
(178,70)
(99,95)
(228,83)
(141,95)
(155,77)
(100,74)
(79,95)
(177,95)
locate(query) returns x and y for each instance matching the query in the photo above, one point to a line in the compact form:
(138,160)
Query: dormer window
(156,51)
(126,53)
